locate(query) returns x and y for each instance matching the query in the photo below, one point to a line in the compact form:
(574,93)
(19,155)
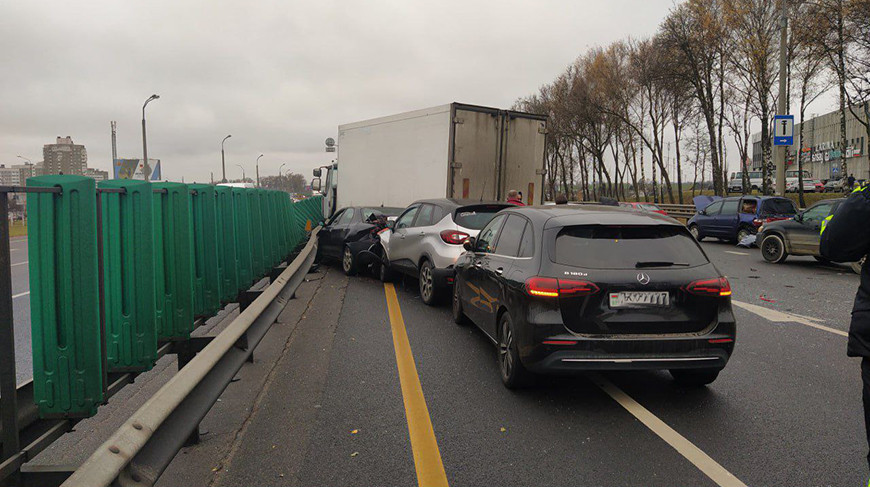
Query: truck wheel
(348,262)
(458,313)
(696,232)
(428,291)
(773,249)
(694,377)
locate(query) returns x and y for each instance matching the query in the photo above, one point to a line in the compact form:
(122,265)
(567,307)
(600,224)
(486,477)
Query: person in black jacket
(846,238)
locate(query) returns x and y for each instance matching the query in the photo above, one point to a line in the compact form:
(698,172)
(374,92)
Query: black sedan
(561,290)
(350,233)
(798,236)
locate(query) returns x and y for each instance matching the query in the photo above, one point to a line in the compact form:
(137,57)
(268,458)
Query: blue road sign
(783,130)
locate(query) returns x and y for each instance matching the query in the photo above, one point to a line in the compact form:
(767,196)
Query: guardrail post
(8,390)
(185,354)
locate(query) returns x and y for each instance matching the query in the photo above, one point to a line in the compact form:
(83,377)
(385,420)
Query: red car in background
(647,207)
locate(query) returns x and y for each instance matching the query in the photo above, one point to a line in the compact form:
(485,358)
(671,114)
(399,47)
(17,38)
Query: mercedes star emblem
(643,278)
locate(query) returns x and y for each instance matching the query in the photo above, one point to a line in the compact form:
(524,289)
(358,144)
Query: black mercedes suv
(564,289)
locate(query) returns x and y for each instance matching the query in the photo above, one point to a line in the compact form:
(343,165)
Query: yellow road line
(684,447)
(427,457)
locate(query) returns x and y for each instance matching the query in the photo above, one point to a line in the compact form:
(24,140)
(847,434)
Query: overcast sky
(279,76)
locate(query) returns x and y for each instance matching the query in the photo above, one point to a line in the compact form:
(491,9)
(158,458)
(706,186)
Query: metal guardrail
(141,449)
(679,211)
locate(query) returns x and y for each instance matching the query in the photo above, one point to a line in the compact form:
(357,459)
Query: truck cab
(329,189)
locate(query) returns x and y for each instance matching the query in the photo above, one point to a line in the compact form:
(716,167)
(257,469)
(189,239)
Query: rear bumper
(711,350)
(444,277)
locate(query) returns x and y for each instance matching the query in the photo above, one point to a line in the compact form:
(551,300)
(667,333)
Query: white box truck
(454,151)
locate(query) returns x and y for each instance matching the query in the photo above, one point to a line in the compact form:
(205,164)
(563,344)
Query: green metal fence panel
(309,213)
(128,275)
(281,200)
(258,261)
(226,227)
(172,261)
(270,247)
(244,245)
(64,297)
(206,279)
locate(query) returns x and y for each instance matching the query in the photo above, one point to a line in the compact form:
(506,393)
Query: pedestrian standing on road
(513,197)
(851,182)
(846,238)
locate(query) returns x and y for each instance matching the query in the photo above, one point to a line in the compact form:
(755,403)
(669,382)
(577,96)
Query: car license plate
(640,299)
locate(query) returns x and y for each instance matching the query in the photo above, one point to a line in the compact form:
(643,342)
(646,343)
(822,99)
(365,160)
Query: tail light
(454,237)
(548,287)
(710,287)
(757,222)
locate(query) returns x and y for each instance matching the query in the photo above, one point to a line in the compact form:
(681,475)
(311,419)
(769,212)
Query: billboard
(135,169)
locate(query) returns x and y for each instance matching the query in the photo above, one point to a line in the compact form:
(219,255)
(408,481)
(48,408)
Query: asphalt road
(21,309)
(325,402)
(786,411)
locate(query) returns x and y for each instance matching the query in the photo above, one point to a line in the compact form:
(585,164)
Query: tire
(694,377)
(382,271)
(742,233)
(696,232)
(428,291)
(856,266)
(513,373)
(348,262)
(773,249)
(459,316)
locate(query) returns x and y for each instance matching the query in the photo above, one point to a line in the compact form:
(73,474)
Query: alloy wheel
(347,260)
(506,339)
(426,282)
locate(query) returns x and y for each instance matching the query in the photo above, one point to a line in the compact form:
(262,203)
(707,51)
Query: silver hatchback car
(426,239)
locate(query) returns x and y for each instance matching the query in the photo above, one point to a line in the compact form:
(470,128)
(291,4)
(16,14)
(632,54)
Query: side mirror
(468,244)
(799,217)
(702,212)
(315,183)
(317,172)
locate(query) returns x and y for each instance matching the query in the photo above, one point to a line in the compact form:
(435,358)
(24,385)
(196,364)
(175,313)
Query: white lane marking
(14,296)
(783,317)
(20,263)
(684,447)
(736,252)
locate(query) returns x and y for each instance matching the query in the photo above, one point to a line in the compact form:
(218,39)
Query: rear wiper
(659,263)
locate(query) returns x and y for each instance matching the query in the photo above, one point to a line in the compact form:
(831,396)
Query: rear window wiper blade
(660,263)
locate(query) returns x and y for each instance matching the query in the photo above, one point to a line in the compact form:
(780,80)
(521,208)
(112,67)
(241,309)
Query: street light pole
(780,151)
(257,167)
(146,169)
(243,172)
(223,160)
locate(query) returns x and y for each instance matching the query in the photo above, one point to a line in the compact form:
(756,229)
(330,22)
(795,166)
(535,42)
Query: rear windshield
(381,210)
(778,207)
(475,217)
(627,247)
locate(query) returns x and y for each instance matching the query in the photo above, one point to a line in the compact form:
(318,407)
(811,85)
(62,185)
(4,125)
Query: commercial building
(821,150)
(9,176)
(64,157)
(96,174)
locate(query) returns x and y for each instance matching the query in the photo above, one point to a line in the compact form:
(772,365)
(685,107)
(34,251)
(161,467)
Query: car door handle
(499,271)
(478,264)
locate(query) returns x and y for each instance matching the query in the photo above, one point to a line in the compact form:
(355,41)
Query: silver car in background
(426,239)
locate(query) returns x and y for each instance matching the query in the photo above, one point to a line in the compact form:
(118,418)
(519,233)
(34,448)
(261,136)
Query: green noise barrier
(270,250)
(128,270)
(172,261)
(206,279)
(64,297)
(244,259)
(258,257)
(228,266)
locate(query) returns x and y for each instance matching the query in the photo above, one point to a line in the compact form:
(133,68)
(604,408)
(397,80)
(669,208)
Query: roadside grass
(18,228)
